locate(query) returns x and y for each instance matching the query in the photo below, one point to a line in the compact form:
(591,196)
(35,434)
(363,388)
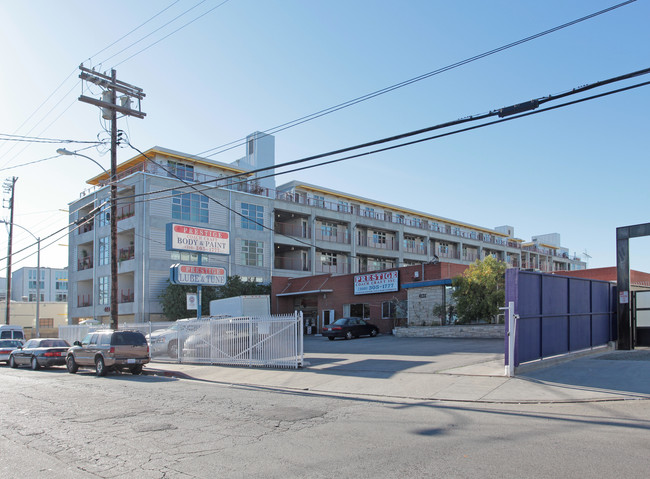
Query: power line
(368,96)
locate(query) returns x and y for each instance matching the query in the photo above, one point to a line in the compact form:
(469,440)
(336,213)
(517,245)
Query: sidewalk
(604,376)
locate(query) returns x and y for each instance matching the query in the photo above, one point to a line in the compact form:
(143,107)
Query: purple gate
(558,314)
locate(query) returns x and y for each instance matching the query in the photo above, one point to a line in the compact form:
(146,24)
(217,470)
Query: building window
(253,217)
(328,229)
(180,171)
(61,280)
(104,251)
(328,259)
(32,280)
(252,253)
(409,242)
(443,248)
(189,207)
(104,216)
(104,290)
(379,237)
(369,212)
(388,310)
(186,256)
(319,201)
(61,297)
(251,146)
(343,206)
(46,323)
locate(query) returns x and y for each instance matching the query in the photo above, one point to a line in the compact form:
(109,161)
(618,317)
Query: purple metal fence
(558,314)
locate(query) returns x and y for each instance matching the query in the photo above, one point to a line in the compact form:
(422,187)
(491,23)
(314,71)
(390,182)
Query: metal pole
(38,288)
(114,303)
(11,232)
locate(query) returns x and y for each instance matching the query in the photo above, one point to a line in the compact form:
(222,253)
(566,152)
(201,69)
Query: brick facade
(314,294)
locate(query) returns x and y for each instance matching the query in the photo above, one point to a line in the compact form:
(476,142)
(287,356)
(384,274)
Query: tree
(173,297)
(480,291)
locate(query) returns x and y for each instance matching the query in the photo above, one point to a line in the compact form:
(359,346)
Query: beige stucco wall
(24,314)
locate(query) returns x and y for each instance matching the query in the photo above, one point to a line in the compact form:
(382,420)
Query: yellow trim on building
(398,209)
(136,160)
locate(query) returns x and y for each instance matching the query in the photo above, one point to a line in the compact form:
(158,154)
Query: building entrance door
(327,317)
(641,318)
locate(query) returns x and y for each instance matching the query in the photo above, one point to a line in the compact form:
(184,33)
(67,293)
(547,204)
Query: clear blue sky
(250,65)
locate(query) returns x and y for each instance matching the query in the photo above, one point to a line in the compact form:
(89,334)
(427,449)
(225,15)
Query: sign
(197,239)
(192,301)
(376,282)
(197,275)
(623,297)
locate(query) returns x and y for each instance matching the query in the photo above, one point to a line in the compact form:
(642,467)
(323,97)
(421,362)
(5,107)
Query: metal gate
(641,318)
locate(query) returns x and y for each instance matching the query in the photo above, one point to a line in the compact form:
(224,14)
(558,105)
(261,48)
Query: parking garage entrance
(641,318)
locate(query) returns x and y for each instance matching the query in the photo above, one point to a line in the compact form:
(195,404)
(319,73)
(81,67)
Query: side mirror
(77,343)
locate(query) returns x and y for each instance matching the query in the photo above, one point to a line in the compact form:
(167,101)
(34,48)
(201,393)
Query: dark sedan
(40,352)
(8,345)
(349,328)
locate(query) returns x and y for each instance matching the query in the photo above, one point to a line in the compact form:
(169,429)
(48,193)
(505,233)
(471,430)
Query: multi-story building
(53,287)
(296,229)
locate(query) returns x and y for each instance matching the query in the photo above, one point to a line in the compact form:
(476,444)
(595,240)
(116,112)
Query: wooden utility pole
(110,108)
(9,186)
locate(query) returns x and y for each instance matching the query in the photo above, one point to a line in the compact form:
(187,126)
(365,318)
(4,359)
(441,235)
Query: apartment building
(296,229)
(53,287)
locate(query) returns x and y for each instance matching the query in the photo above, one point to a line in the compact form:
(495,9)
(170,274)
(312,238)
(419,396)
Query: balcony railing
(125,211)
(86,227)
(126,254)
(342,237)
(84,300)
(339,268)
(292,229)
(379,243)
(418,248)
(294,264)
(126,296)
(470,256)
(84,263)
(449,255)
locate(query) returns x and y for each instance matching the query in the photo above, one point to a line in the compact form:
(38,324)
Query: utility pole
(9,186)
(112,86)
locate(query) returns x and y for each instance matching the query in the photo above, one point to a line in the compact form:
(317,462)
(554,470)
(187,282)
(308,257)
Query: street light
(38,278)
(64,152)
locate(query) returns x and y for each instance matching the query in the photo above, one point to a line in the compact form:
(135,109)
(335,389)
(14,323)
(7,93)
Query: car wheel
(71,364)
(348,335)
(136,369)
(373,333)
(331,338)
(100,367)
(12,362)
(34,364)
(172,349)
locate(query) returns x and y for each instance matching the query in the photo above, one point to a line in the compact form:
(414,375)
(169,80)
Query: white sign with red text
(376,282)
(200,275)
(200,240)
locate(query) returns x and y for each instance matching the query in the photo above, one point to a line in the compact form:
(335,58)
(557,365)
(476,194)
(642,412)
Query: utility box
(253,305)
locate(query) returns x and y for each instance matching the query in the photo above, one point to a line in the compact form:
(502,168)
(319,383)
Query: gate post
(512,334)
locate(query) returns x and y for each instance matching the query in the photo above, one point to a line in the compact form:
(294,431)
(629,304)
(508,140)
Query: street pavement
(466,370)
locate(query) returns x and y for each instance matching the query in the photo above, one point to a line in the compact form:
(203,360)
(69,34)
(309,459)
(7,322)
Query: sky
(215,71)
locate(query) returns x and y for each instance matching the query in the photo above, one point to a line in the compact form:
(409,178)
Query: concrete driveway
(385,355)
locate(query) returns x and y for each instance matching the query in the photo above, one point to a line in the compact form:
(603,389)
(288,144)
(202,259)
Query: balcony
(291,263)
(126,296)
(390,244)
(84,300)
(415,248)
(125,211)
(341,237)
(292,229)
(86,227)
(84,263)
(125,254)
(338,268)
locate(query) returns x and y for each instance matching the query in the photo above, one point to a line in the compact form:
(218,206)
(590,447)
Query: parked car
(349,328)
(108,350)
(165,341)
(40,352)
(7,346)
(11,331)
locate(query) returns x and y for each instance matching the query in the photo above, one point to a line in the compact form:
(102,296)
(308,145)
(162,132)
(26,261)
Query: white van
(10,331)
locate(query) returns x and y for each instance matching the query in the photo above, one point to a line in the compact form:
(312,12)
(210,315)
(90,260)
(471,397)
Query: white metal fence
(269,341)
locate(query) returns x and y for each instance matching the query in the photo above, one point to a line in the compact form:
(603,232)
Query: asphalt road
(53,424)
